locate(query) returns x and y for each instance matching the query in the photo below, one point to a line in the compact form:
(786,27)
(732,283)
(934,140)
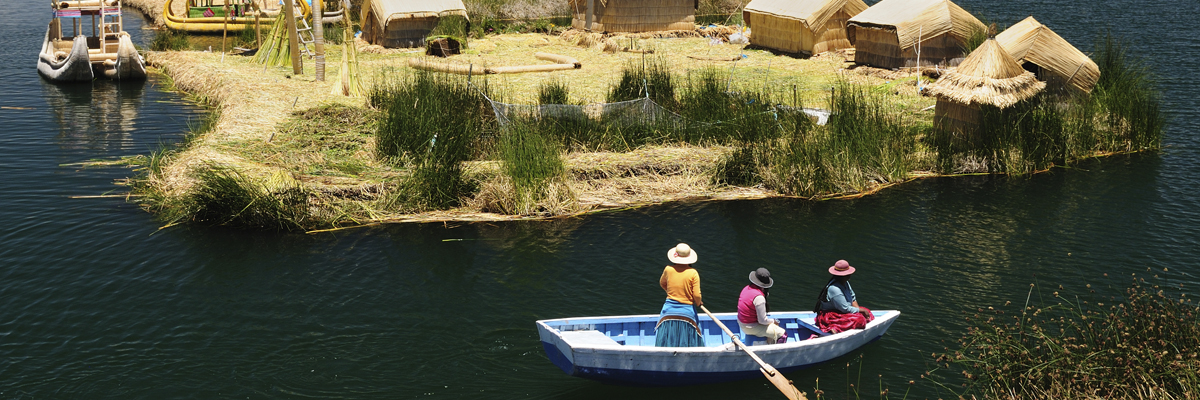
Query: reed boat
(216,16)
(620,349)
(97,48)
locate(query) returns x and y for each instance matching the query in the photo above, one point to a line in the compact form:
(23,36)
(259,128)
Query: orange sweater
(681,284)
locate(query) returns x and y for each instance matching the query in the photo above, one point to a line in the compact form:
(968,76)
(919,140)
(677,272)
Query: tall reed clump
(170,40)
(430,122)
(533,163)
(649,77)
(863,145)
(1128,92)
(1143,345)
(717,115)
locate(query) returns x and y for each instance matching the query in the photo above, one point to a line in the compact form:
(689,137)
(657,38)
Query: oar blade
(784,385)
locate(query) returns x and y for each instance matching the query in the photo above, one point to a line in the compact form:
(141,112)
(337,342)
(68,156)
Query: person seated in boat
(752,308)
(837,307)
(678,324)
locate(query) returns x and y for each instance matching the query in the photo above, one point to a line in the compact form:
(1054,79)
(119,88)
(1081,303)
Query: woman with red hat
(837,307)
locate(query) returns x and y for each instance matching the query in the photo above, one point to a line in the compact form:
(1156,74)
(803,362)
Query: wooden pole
(591,8)
(319,37)
(224,28)
(257,28)
(293,41)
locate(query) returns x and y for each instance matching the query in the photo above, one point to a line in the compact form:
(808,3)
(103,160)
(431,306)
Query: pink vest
(747,314)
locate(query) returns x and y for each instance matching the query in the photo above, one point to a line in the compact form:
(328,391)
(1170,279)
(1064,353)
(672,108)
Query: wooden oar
(776,378)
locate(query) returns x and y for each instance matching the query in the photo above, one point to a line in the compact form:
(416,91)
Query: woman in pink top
(752,308)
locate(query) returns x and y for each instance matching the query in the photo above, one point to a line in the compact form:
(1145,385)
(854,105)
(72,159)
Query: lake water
(96,302)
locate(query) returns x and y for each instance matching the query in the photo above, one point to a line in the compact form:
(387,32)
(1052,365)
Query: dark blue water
(96,302)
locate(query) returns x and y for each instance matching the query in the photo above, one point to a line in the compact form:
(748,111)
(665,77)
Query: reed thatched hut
(887,34)
(1049,56)
(801,26)
(405,23)
(989,76)
(633,15)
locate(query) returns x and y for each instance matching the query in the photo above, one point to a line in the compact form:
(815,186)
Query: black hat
(762,278)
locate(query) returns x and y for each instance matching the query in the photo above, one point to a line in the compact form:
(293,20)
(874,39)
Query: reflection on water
(95,115)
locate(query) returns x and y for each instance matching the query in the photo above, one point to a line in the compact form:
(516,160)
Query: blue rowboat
(620,349)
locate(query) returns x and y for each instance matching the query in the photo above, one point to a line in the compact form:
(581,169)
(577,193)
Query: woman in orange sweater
(678,323)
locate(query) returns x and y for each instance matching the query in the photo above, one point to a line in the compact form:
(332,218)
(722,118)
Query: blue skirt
(680,329)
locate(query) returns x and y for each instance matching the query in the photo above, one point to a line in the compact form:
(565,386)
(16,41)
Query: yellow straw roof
(919,18)
(386,10)
(813,13)
(1030,41)
(989,75)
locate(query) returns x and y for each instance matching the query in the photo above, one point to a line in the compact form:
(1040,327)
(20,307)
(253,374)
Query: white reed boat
(98,47)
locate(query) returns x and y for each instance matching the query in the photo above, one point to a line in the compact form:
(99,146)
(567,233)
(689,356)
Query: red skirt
(834,322)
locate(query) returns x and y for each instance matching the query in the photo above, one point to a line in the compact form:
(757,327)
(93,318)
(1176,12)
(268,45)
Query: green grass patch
(170,40)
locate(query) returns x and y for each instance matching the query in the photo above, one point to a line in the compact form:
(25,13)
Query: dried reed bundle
(277,51)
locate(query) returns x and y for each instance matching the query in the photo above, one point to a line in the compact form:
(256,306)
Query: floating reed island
(640,118)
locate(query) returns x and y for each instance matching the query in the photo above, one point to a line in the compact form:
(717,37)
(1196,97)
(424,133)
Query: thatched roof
(387,10)
(1030,41)
(812,13)
(989,75)
(918,18)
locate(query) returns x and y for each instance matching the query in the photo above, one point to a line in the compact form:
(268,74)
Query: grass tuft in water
(225,196)
(1142,345)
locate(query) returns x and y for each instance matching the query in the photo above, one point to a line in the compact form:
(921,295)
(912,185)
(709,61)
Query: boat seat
(588,338)
(751,340)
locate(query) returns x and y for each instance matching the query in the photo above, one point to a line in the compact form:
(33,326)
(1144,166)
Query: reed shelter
(405,23)
(633,15)
(889,34)
(988,77)
(801,26)
(1049,56)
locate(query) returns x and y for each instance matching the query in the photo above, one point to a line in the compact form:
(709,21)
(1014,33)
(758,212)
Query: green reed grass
(455,27)
(554,92)
(1128,91)
(227,197)
(864,144)
(647,77)
(432,123)
(1141,345)
(170,40)
(533,162)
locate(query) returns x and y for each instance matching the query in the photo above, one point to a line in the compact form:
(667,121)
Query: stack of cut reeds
(275,50)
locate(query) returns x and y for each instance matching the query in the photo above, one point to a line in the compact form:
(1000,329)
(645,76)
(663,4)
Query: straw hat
(681,254)
(841,268)
(762,278)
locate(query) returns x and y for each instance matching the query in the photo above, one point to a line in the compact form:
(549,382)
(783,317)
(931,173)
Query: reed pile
(276,50)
